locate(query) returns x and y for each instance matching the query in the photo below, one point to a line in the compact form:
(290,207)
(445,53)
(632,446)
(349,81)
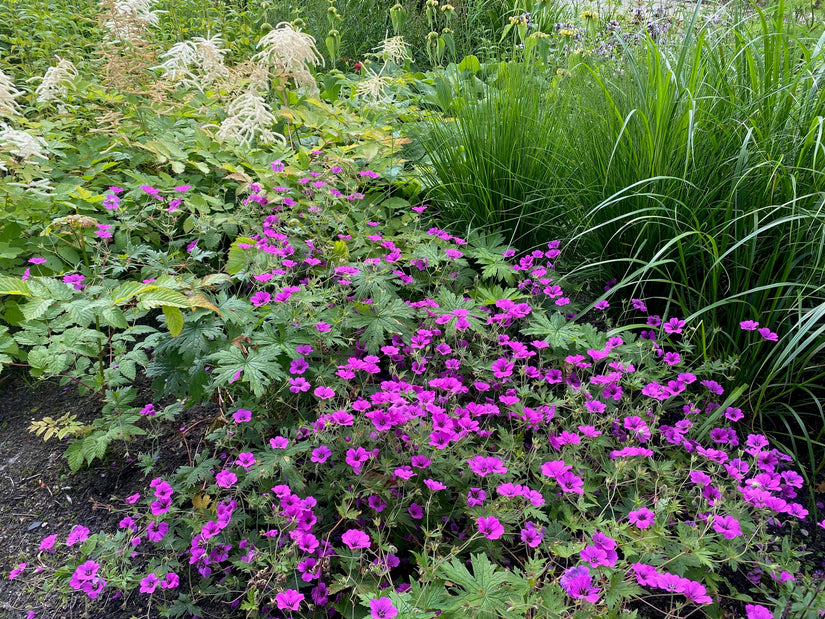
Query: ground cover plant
(689,169)
(409,413)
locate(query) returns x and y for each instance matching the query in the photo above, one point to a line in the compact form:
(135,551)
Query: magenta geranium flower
(754,611)
(226,479)
(768,335)
(324,393)
(242,415)
(490,527)
(728,526)
(382,608)
(77,535)
(17,571)
(260,298)
(320,454)
(149,583)
(577,582)
(434,485)
(279,442)
(289,600)
(642,518)
(355,539)
(48,542)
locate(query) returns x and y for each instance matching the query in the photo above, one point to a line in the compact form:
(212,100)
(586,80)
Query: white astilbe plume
(178,60)
(129,18)
(210,54)
(289,51)
(249,116)
(393,50)
(55,84)
(372,86)
(21,144)
(201,56)
(8,94)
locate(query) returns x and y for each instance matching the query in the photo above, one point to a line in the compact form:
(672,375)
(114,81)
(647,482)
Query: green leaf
(14,285)
(35,308)
(238,256)
(155,296)
(114,317)
(620,590)
(556,330)
(174,320)
(75,455)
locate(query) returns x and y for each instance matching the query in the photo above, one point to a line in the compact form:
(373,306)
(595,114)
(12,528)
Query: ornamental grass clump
(402,436)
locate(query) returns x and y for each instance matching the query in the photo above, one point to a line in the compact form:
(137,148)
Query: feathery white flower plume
(129,18)
(204,56)
(8,94)
(21,144)
(372,86)
(249,116)
(393,49)
(289,51)
(55,84)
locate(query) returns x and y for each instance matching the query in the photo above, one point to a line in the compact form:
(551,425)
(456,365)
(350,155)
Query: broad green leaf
(174,319)
(14,285)
(35,308)
(156,296)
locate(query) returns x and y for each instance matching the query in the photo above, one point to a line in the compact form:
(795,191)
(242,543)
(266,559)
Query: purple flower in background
(754,611)
(242,415)
(642,518)
(382,608)
(289,600)
(149,583)
(577,582)
(78,535)
(48,542)
(260,298)
(748,325)
(74,280)
(226,479)
(320,454)
(768,335)
(434,485)
(728,526)
(324,393)
(490,527)
(355,539)
(674,325)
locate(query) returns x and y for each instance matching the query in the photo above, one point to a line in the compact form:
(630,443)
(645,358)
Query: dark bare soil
(40,496)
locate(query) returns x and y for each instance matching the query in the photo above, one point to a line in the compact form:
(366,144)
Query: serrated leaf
(198,300)
(174,320)
(80,311)
(75,456)
(114,317)
(238,256)
(126,291)
(14,285)
(155,296)
(128,368)
(556,330)
(35,308)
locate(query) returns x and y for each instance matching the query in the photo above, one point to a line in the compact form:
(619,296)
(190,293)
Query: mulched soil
(40,496)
